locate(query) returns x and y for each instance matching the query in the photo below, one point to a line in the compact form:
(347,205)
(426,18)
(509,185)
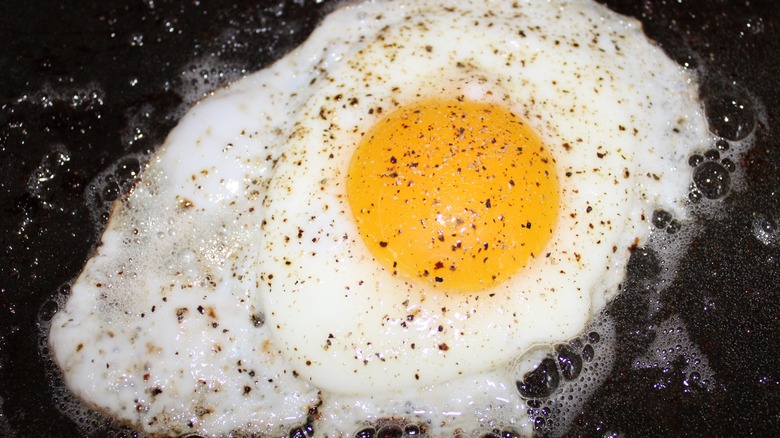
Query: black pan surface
(87,86)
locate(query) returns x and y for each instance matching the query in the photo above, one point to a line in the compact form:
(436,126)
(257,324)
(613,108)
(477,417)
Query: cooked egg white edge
(179,235)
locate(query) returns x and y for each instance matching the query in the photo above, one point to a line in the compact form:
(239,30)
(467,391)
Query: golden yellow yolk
(460,194)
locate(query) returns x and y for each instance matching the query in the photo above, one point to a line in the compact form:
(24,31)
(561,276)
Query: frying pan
(88,88)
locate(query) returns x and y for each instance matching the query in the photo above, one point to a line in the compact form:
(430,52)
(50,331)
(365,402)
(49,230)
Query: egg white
(189,318)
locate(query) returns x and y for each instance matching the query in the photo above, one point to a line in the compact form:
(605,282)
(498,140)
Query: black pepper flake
(180,312)
(200,310)
(247,389)
(383,244)
(443,347)
(439,279)
(393,160)
(487,203)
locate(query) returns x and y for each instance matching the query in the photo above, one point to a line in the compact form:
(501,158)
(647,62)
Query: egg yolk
(458,193)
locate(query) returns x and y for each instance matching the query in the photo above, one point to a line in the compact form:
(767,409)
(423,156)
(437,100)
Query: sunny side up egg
(383,222)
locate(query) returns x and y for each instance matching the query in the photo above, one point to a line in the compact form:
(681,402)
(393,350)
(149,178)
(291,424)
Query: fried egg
(384,223)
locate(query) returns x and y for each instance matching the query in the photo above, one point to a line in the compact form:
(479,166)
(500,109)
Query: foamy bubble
(46,173)
(88,421)
(670,344)
(567,377)
(139,124)
(110,184)
(765,229)
(201,78)
(83,98)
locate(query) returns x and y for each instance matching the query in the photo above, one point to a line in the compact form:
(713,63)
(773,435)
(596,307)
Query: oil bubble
(366,432)
(390,431)
(569,362)
(730,116)
(412,430)
(695,196)
(695,160)
(728,164)
(588,353)
(661,218)
(47,310)
(712,180)
(111,191)
(540,382)
(712,154)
